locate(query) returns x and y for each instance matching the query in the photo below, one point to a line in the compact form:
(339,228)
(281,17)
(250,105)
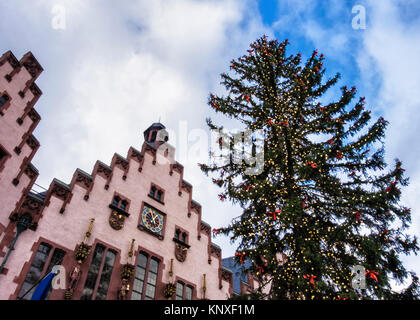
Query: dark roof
(238,272)
(155,125)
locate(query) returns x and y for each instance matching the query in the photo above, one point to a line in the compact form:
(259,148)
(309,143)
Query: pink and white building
(123,231)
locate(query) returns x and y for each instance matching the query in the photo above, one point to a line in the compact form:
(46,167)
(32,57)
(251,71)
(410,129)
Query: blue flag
(43,287)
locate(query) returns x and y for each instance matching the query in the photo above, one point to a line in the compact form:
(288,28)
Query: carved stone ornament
(180,252)
(116,220)
(84,180)
(32,65)
(60,192)
(226,275)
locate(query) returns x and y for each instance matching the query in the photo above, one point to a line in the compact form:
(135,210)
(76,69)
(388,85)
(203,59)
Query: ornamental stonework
(35,90)
(181,252)
(205,228)
(60,192)
(122,163)
(83,180)
(104,170)
(32,65)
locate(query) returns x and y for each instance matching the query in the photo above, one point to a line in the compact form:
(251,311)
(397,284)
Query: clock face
(152,220)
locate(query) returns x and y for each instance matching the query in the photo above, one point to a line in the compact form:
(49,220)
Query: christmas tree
(322,219)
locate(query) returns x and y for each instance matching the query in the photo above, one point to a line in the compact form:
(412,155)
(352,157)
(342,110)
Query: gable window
(99,274)
(45,259)
(119,203)
(156,193)
(3,100)
(183,291)
(181,235)
(152,191)
(145,279)
(3,156)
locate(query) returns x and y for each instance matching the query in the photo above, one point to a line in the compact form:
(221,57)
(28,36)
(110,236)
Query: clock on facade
(152,220)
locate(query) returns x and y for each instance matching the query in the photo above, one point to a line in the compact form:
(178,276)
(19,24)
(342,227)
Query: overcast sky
(114,67)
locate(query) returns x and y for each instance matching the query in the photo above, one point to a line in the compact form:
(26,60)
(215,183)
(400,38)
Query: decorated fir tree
(324,206)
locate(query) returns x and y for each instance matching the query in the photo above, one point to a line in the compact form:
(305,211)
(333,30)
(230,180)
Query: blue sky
(116,67)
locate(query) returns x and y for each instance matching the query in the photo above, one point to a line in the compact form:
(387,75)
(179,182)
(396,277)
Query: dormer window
(156,193)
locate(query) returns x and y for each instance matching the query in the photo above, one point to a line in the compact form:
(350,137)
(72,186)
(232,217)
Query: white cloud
(116,68)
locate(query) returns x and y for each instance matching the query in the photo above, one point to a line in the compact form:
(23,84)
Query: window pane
(138,286)
(93,272)
(153,265)
(135,296)
(142,260)
(3,100)
(152,191)
(56,259)
(115,201)
(106,275)
(150,291)
(179,291)
(188,293)
(139,277)
(152,278)
(35,270)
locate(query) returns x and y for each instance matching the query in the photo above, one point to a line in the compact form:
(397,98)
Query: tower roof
(156,125)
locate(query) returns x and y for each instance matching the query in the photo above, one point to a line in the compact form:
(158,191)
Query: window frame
(154,191)
(149,258)
(6,103)
(185,285)
(47,267)
(4,157)
(100,270)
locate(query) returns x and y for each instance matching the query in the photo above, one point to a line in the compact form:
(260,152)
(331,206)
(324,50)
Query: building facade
(127,230)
